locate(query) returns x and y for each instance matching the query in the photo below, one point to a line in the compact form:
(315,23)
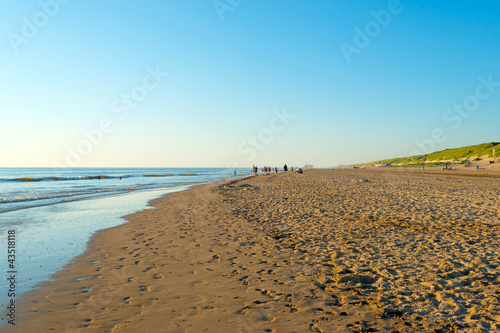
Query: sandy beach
(384,250)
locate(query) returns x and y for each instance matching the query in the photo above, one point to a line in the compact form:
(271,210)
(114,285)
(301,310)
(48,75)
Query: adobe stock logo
(31,27)
(372,29)
(121,109)
(456,115)
(223,6)
(255,143)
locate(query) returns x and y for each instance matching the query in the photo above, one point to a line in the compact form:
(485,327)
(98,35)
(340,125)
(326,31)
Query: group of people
(299,170)
(265,170)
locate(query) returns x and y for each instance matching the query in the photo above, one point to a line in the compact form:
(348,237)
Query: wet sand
(326,251)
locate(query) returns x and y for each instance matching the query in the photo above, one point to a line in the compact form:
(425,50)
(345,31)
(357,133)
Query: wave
(59,195)
(19,194)
(103,176)
(72,196)
(40,179)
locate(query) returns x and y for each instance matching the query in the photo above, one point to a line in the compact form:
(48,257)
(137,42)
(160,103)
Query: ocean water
(54,212)
(32,187)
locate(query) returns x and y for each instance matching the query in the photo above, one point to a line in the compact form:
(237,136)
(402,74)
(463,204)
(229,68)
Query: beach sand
(384,250)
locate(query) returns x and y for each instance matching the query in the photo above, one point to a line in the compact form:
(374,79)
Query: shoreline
(230,255)
(53,236)
(50,235)
(30,300)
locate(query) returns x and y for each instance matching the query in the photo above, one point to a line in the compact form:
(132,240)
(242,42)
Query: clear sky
(239,82)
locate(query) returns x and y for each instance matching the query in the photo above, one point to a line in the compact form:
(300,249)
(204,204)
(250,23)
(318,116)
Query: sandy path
(331,251)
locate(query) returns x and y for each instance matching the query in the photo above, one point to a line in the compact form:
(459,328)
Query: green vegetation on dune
(463,155)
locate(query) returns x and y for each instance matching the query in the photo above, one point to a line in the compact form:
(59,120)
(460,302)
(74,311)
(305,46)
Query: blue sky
(236,83)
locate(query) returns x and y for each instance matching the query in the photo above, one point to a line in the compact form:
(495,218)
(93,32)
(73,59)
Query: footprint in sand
(315,328)
(292,308)
(144,288)
(245,280)
(134,250)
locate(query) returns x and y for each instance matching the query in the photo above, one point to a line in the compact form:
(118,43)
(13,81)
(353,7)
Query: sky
(232,83)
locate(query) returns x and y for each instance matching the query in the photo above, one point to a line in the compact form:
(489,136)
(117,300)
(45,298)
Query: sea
(48,215)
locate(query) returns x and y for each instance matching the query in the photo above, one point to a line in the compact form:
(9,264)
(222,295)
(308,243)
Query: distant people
(276,169)
(300,170)
(234,173)
(285,168)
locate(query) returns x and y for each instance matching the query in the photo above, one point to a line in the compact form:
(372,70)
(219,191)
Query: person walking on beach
(285,168)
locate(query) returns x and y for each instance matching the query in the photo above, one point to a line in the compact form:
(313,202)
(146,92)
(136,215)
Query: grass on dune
(461,155)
